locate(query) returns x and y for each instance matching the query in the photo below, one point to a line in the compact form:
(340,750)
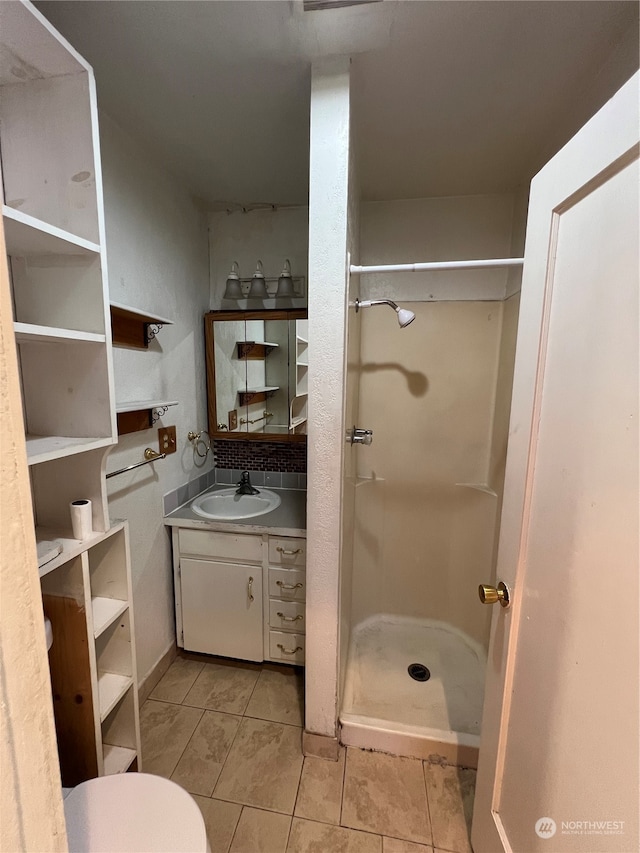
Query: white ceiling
(449,97)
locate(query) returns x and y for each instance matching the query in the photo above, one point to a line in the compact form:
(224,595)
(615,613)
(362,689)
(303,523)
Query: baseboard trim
(156,673)
(320,746)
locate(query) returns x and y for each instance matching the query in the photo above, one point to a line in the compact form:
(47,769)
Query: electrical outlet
(233,420)
(167,439)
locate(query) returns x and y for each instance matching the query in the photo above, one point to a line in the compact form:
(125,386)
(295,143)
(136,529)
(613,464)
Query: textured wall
(157,255)
(31,813)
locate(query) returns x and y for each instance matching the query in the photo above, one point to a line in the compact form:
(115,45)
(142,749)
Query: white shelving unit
(52,209)
(88,599)
(298,412)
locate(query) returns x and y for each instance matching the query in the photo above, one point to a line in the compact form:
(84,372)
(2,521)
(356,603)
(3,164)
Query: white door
(558,766)
(222,608)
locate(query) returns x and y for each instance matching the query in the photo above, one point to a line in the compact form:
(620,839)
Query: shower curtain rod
(438,265)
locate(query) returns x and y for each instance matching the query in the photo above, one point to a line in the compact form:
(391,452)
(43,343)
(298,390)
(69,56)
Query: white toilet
(133,812)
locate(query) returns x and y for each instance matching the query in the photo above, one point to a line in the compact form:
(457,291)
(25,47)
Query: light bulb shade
(285,282)
(258,289)
(233,290)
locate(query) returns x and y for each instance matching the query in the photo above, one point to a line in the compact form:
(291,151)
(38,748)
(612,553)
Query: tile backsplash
(260,456)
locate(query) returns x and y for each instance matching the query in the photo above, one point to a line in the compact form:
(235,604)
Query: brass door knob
(491,594)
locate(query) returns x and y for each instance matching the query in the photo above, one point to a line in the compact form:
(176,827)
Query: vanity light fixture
(233,289)
(404,315)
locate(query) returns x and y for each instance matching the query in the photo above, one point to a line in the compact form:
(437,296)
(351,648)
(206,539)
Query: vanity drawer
(288,584)
(285,551)
(224,546)
(286,647)
(292,618)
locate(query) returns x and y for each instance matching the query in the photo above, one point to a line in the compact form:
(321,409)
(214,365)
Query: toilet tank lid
(130,812)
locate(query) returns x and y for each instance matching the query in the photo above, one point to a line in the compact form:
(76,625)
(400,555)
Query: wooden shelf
(111,688)
(117,759)
(131,327)
(27,237)
(31,333)
(254,350)
(256,395)
(137,415)
(105,612)
(44,448)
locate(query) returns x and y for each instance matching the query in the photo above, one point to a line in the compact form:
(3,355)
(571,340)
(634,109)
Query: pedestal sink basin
(226,505)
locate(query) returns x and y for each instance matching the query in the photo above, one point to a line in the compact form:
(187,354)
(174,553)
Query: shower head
(404,315)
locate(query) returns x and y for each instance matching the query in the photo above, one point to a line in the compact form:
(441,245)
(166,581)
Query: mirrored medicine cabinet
(257,364)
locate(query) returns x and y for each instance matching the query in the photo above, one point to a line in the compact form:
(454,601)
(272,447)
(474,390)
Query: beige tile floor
(230,733)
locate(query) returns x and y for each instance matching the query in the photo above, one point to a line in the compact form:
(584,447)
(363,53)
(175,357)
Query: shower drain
(419,672)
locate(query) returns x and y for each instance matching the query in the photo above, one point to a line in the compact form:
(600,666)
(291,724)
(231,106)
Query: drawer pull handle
(250,590)
(290,618)
(289,651)
(286,553)
(284,585)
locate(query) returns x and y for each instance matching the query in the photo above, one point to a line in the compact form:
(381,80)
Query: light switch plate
(233,420)
(167,439)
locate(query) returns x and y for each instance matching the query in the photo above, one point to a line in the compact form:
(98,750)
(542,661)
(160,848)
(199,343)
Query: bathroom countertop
(288,519)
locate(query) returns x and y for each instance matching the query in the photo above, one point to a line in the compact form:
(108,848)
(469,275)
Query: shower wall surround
(430,485)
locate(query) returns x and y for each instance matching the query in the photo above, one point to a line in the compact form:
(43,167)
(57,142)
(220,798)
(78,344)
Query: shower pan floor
(384,708)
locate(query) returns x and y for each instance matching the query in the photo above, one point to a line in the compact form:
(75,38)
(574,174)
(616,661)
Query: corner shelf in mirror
(254,350)
(249,396)
(131,327)
(137,415)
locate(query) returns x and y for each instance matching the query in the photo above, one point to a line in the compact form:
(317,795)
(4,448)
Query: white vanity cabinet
(240,595)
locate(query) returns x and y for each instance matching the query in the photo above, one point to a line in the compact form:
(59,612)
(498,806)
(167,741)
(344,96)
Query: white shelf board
(259,343)
(70,547)
(261,390)
(105,612)
(44,448)
(30,333)
(141,405)
(27,237)
(295,422)
(117,759)
(111,689)
(143,316)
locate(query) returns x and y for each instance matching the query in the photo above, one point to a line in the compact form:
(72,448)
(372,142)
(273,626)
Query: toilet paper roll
(81,523)
(48,631)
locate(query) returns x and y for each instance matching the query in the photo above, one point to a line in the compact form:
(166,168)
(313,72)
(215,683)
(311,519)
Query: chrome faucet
(244,486)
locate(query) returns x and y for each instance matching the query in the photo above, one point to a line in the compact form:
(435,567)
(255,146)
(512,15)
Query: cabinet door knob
(284,585)
(250,590)
(289,651)
(286,553)
(290,618)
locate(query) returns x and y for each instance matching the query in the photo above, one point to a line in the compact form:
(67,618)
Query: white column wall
(328,275)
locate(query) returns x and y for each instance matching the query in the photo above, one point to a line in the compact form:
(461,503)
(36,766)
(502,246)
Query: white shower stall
(421,504)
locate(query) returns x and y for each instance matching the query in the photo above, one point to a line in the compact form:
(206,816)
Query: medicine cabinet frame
(216,418)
